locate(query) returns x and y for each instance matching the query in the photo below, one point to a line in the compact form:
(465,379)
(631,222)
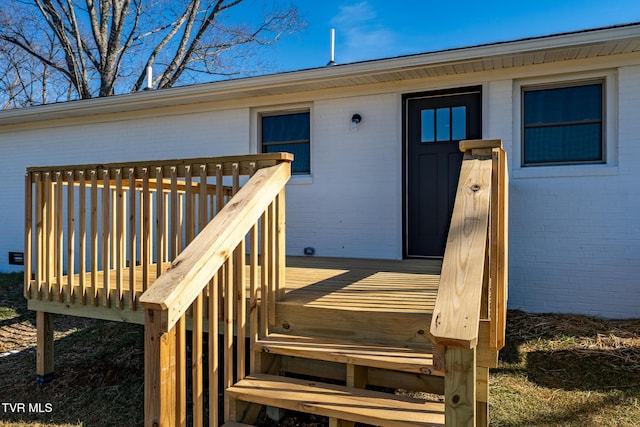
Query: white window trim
(256,136)
(610,122)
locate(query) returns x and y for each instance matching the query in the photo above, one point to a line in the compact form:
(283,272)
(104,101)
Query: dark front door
(435,123)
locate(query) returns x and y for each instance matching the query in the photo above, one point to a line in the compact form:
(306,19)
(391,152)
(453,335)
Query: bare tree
(87,48)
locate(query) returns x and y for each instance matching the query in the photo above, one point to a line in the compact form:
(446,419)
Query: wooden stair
(396,358)
(338,402)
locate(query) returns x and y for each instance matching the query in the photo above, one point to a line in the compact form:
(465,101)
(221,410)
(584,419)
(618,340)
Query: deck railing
(100,234)
(470,309)
(208,279)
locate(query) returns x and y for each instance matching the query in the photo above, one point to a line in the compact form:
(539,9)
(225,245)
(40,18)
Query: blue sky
(373,29)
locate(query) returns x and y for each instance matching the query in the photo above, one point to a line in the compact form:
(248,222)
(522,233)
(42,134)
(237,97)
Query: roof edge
(203,92)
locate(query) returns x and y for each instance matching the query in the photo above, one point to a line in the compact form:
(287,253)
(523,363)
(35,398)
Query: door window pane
(443,124)
(427,125)
(459,121)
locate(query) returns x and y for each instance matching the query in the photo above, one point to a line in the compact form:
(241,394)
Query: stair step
(395,358)
(345,403)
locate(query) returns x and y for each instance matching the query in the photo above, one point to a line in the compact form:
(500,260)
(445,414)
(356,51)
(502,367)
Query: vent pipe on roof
(149,78)
(333,47)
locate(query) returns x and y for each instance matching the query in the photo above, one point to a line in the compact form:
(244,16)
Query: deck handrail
(469,316)
(176,289)
(91,229)
(207,280)
(474,278)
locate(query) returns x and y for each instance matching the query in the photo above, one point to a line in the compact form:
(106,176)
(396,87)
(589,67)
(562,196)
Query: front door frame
(405,141)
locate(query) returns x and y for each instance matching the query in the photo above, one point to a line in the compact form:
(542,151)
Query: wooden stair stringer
(338,402)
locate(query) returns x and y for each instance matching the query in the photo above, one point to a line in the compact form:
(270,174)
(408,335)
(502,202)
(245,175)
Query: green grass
(565,370)
(556,370)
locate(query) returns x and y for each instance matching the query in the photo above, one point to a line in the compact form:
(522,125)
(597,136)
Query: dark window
(290,133)
(563,125)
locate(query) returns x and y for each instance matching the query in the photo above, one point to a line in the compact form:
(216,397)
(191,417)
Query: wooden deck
(419,325)
(366,285)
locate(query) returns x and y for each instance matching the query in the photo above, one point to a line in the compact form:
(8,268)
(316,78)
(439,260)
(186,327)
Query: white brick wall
(574,236)
(575,240)
(353,206)
(178,136)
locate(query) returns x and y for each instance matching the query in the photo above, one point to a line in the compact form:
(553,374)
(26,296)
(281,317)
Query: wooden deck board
(407,286)
(340,402)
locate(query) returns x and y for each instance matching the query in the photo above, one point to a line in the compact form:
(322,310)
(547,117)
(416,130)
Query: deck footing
(44,379)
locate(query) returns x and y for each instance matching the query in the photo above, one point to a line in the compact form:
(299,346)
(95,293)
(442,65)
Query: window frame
(602,81)
(285,112)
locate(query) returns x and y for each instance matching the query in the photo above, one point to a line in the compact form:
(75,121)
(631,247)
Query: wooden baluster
(264,273)
(114,226)
(196,361)
(175,224)
(159,220)
(503,239)
(140,197)
(214,387)
(167,227)
(146,229)
(228,334)
(94,237)
(280,241)
(212,205)
(253,285)
(198,403)
(181,371)
(240,289)
(59,248)
(39,252)
(119,238)
(48,227)
(106,239)
(219,205)
(28,234)
(219,188)
(82,236)
(181,230)
(132,239)
(272,264)
(203,212)
(189,208)
(71,234)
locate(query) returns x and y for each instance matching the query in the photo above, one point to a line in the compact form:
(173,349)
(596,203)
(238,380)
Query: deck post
(460,386)
(44,339)
(160,402)
(482,397)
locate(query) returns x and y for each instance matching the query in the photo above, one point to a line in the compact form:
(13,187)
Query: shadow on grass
(584,369)
(569,370)
(99,376)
